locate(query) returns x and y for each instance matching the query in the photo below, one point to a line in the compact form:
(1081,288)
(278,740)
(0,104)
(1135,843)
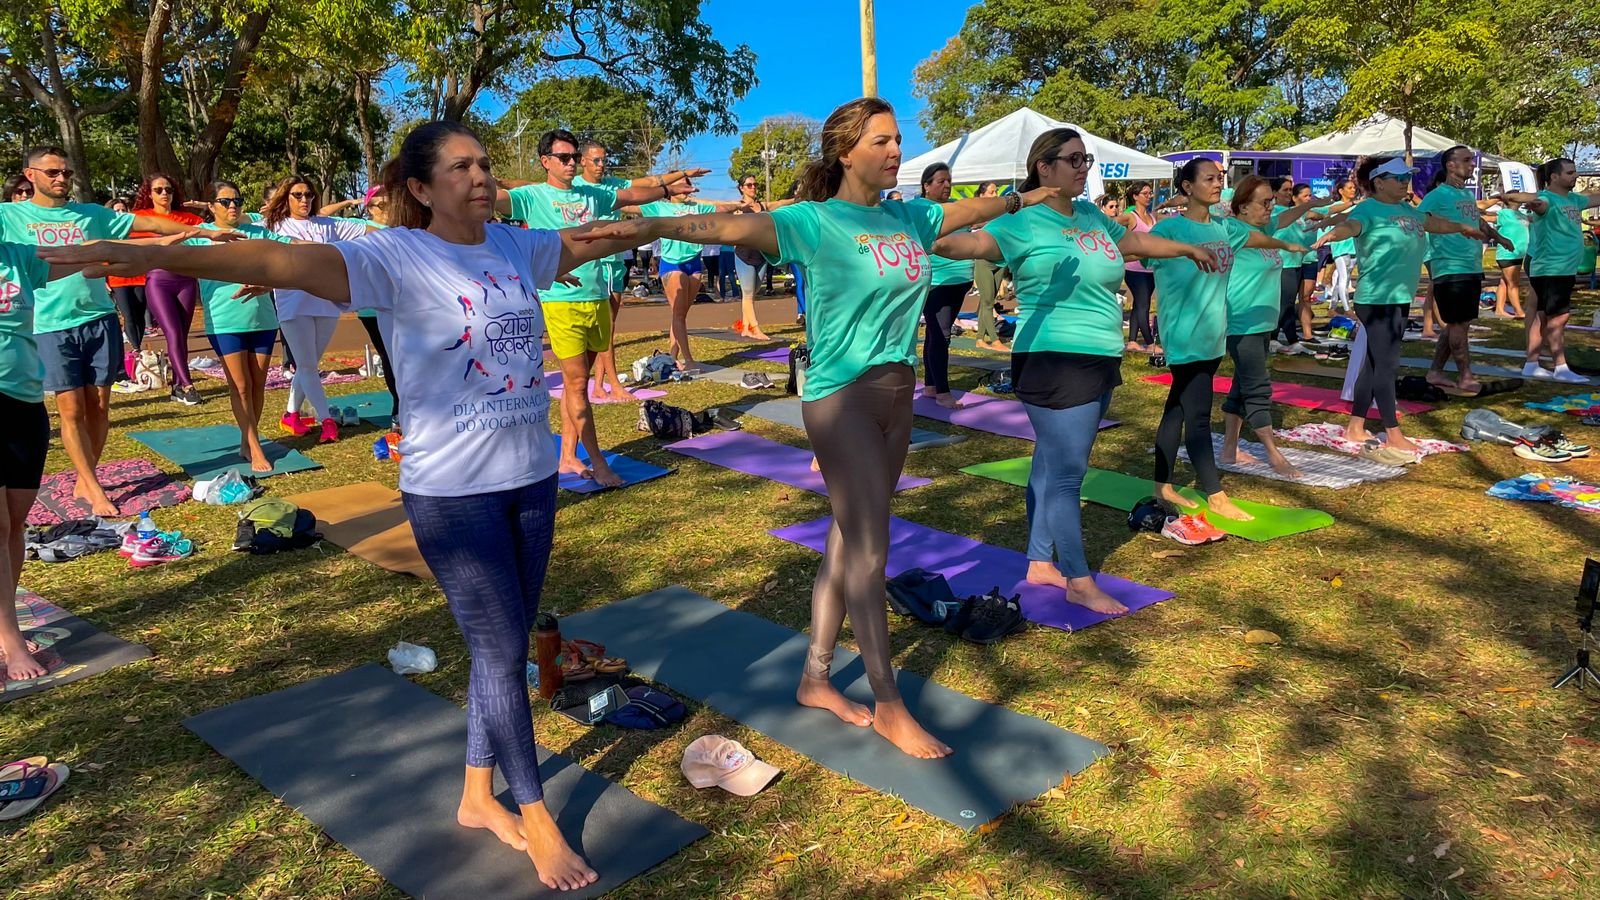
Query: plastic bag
(410,658)
(225,490)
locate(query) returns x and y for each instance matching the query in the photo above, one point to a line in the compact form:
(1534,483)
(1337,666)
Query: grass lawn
(1401,741)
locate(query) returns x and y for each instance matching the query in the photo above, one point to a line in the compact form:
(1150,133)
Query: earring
(426,203)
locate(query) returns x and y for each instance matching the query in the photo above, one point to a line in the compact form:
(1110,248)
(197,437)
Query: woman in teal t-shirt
(1555,251)
(1194,319)
(867,274)
(1254,289)
(952,279)
(1511,220)
(681,270)
(1067,259)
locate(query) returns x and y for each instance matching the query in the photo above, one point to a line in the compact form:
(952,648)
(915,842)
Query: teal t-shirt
(22,275)
(545,206)
(1453,254)
(1066,270)
(1194,304)
(73,300)
(611,183)
(1389,249)
(1512,223)
(227,314)
(949,271)
(1555,239)
(1300,231)
(677,251)
(1254,282)
(867,275)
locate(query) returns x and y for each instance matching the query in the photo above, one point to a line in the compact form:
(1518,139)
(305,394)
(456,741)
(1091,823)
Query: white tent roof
(1379,135)
(999,152)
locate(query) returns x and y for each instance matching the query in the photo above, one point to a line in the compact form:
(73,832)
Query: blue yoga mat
(207,452)
(630,470)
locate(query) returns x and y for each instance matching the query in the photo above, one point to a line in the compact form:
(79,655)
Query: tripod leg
(1571,674)
(1591,677)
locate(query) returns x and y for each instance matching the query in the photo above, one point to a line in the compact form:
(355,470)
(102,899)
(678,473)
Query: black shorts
(1521,261)
(23,443)
(1456,297)
(1308,271)
(1553,293)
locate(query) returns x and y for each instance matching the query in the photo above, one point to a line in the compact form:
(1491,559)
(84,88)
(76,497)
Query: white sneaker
(1567,376)
(1534,370)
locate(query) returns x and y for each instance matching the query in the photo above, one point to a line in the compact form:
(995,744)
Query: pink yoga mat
(973,568)
(597,394)
(134,485)
(753,454)
(1302,395)
(983,412)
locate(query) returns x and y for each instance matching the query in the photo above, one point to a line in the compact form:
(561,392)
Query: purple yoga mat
(770,354)
(982,412)
(752,454)
(974,568)
(596,394)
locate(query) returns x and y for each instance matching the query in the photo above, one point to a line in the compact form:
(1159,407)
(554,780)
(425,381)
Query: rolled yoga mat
(755,455)
(747,667)
(787,411)
(982,412)
(375,762)
(973,568)
(204,453)
(1301,395)
(70,648)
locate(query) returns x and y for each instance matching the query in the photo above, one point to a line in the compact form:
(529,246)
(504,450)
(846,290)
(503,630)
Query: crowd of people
(460,305)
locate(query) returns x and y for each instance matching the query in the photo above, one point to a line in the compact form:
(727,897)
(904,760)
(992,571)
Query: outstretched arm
(968,245)
(159,225)
(1348,228)
(314,268)
(666,178)
(597,239)
(1144,245)
(1440,225)
(965,213)
(1266,242)
(1523,198)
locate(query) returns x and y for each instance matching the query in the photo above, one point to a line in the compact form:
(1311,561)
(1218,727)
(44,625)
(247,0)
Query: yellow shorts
(578,326)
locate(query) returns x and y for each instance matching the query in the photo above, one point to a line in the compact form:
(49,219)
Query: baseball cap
(713,760)
(1396,166)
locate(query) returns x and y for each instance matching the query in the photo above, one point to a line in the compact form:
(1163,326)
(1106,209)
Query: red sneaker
(330,432)
(292,424)
(1192,530)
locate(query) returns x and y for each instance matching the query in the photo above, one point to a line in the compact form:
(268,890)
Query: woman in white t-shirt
(307,321)
(460,298)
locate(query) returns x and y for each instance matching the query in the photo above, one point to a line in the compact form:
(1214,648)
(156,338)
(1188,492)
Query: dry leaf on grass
(784,858)
(1576,741)
(1166,554)
(1509,773)
(990,825)
(96,853)
(1494,834)
(1506,690)
(1533,798)
(1456,874)
(1441,850)
(1261,636)
(1552,874)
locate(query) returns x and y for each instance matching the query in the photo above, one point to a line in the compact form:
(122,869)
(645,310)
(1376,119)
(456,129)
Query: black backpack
(672,423)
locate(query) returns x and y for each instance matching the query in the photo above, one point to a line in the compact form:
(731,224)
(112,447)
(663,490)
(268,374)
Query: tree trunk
(369,148)
(57,98)
(206,153)
(155,146)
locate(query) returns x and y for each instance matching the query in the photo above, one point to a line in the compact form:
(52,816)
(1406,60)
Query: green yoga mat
(374,407)
(208,452)
(1121,491)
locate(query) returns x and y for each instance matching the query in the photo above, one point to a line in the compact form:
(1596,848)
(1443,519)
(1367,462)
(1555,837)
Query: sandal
(574,665)
(586,648)
(610,665)
(56,776)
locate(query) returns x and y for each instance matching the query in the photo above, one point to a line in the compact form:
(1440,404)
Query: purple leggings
(172,300)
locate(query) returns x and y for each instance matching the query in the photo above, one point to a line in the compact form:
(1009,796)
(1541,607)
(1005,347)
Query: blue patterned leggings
(489,552)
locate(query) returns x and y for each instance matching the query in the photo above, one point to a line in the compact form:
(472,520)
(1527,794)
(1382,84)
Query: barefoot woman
(867,275)
(478,467)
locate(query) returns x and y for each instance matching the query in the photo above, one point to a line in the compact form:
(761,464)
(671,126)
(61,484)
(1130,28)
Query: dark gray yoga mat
(786,411)
(746,667)
(71,649)
(375,761)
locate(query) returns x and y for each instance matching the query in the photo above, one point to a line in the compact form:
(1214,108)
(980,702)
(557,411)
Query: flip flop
(57,776)
(587,648)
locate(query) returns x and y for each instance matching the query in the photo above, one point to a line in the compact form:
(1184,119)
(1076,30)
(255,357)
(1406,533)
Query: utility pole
(869,51)
(767,156)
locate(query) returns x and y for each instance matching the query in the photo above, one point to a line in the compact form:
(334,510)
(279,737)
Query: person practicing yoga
(1342,286)
(170,299)
(987,277)
(1456,268)
(1194,307)
(484,529)
(748,262)
(1141,281)
(1555,250)
(867,275)
(1511,220)
(1292,205)
(1254,289)
(682,268)
(1067,354)
(952,279)
(1390,242)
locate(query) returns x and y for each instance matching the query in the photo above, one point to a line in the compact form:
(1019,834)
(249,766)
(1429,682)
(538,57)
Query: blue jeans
(799,289)
(1060,459)
(489,552)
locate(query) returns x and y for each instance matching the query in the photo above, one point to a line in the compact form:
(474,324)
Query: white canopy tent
(999,152)
(1379,135)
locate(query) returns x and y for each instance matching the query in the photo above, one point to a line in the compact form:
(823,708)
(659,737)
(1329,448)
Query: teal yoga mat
(207,452)
(374,407)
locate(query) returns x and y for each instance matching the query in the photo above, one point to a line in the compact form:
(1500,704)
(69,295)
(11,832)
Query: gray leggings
(860,434)
(1250,398)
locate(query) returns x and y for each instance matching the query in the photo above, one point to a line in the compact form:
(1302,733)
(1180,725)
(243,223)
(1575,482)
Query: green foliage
(589,107)
(788,143)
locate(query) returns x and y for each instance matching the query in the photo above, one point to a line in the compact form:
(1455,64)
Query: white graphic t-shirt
(318,230)
(465,334)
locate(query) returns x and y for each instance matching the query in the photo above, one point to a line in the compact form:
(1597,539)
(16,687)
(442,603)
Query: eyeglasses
(22,192)
(1076,160)
(749,184)
(1403,179)
(565,159)
(301,195)
(229,201)
(54,173)
(161,190)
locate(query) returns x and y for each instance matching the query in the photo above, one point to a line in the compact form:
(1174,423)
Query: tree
(658,48)
(589,107)
(775,151)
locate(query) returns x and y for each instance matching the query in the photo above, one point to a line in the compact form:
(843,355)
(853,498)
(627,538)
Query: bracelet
(1013,203)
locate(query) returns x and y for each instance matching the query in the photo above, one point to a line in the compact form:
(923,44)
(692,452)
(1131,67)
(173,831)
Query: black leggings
(939,315)
(135,310)
(1250,398)
(1186,417)
(1289,305)
(1142,285)
(1385,325)
(860,434)
(370,323)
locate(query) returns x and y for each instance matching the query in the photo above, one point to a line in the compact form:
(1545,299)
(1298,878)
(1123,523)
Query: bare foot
(258,460)
(1430,336)
(1133,347)
(101,504)
(821,694)
(1356,433)
(1439,379)
(1469,385)
(1169,495)
(815,466)
(996,346)
(506,825)
(1226,508)
(894,722)
(948,401)
(1401,442)
(1229,454)
(1046,573)
(754,331)
(558,866)
(1085,593)
(1282,466)
(616,388)
(1154,349)
(574,466)
(20,664)
(604,476)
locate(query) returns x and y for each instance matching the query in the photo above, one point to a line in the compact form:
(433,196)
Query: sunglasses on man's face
(229,201)
(301,195)
(566,159)
(54,173)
